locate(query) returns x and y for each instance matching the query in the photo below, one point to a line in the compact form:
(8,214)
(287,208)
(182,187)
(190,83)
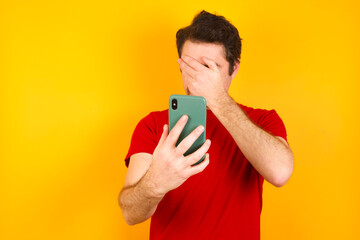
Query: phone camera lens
(174,104)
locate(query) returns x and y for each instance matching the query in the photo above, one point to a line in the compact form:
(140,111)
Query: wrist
(150,188)
(218,103)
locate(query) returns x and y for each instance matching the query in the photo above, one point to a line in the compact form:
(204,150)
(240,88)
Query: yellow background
(77,76)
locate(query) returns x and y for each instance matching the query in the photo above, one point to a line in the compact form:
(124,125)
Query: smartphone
(195,108)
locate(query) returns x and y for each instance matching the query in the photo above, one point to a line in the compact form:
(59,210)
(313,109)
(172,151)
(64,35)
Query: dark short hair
(211,28)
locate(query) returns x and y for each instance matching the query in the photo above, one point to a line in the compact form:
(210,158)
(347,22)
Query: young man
(219,198)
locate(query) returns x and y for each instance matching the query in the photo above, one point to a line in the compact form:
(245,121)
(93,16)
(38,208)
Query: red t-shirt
(222,202)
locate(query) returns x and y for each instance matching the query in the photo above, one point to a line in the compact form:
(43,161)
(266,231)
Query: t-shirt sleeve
(143,138)
(272,123)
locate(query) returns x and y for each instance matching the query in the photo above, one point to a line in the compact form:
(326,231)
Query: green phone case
(195,108)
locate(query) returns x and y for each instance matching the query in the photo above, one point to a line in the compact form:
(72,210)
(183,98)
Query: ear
(236,68)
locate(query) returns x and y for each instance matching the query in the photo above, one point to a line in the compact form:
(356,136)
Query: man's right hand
(169,167)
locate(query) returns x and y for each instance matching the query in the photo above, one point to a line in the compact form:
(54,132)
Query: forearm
(269,155)
(139,202)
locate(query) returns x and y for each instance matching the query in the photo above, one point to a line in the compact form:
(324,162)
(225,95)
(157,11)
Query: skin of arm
(137,192)
(150,177)
(271,156)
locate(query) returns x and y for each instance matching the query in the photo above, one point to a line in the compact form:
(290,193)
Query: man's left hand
(202,79)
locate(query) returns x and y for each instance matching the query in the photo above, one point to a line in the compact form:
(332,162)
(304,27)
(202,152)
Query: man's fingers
(200,167)
(186,76)
(198,154)
(186,143)
(176,130)
(212,65)
(184,67)
(193,63)
(164,134)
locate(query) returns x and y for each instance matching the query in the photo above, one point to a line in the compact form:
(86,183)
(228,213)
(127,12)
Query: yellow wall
(76,77)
